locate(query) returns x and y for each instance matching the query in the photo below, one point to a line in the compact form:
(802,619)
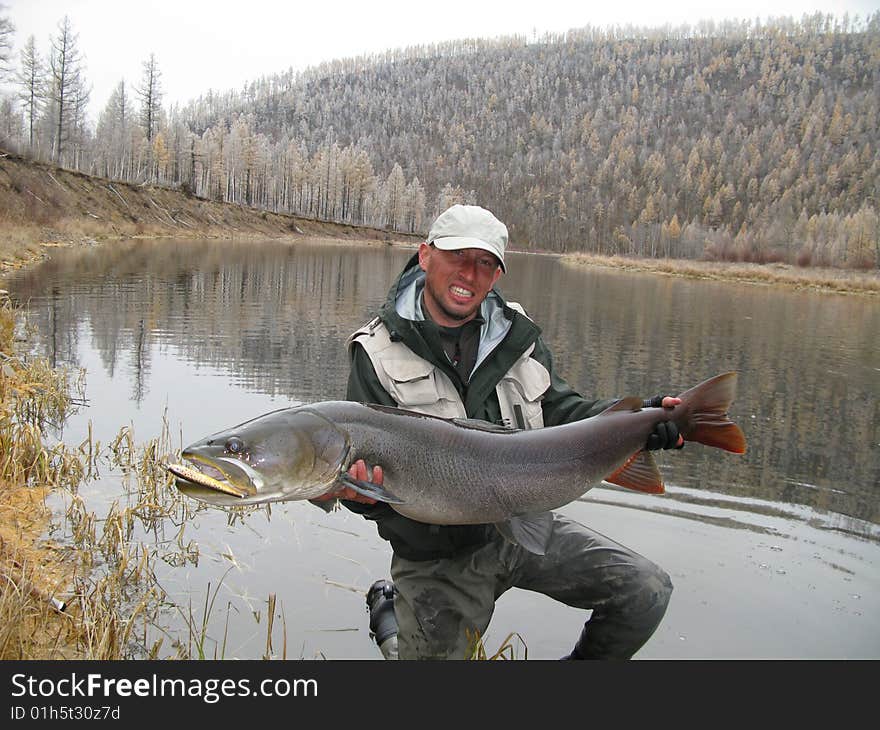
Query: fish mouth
(208,480)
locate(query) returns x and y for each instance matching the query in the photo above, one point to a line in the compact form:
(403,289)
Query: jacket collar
(403,308)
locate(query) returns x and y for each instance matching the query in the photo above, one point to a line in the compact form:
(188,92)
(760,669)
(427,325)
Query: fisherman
(446,343)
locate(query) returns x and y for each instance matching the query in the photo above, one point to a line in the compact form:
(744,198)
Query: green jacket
(561,404)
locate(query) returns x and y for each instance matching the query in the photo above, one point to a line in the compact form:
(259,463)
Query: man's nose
(468,267)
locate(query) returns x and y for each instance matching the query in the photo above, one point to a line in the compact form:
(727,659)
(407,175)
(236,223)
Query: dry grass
(840,281)
(100,567)
(31,571)
(513,647)
(102,607)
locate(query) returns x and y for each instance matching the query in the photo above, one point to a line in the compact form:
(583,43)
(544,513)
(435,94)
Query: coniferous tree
(7,29)
(32,88)
(67,93)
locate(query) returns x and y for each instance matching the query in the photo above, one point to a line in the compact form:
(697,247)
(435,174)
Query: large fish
(449,471)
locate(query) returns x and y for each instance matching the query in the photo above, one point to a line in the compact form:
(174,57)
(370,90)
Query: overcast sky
(221,44)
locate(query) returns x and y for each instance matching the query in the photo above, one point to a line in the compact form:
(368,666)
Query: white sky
(220,44)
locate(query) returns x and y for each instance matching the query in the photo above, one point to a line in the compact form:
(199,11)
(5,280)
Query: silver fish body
(443,471)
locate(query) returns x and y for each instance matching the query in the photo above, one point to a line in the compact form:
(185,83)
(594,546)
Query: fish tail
(705,420)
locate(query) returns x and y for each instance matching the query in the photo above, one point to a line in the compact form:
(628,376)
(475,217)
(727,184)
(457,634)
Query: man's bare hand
(358,471)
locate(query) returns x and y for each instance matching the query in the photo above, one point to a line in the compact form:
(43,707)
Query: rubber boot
(383,622)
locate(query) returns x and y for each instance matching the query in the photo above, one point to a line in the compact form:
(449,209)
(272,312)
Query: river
(774,554)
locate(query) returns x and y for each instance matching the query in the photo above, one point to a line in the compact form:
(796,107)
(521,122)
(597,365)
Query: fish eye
(234,445)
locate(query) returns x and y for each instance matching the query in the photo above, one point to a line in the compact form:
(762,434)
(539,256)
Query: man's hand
(359,471)
(665,435)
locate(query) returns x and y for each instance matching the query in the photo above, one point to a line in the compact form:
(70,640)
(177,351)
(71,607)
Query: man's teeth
(458,291)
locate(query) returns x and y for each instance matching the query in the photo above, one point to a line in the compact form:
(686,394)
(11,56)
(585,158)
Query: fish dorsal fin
(640,472)
(477,425)
(631,403)
(532,532)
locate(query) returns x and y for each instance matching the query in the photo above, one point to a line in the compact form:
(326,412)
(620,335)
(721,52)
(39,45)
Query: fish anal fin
(531,532)
(640,473)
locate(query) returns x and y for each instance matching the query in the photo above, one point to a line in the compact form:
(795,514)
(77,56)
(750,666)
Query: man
(446,343)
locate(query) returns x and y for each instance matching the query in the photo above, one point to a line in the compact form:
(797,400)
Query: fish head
(290,454)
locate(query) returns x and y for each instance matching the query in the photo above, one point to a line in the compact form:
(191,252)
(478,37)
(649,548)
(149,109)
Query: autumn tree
(150,95)
(67,92)
(395,198)
(7,29)
(31,87)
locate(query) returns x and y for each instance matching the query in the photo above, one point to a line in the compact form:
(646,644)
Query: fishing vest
(419,385)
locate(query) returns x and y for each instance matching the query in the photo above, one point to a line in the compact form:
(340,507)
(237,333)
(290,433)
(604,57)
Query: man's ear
(425,250)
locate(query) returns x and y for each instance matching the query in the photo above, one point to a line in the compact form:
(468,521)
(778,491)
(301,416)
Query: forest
(741,140)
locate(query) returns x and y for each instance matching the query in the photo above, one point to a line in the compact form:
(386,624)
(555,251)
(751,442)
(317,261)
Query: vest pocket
(522,389)
(410,382)
(418,386)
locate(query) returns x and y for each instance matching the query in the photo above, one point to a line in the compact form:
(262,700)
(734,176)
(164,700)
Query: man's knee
(436,623)
(654,587)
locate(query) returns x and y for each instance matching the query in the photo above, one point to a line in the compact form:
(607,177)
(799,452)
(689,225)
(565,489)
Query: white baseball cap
(469,226)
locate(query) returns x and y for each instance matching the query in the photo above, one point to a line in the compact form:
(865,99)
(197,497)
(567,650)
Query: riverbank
(837,281)
(44,207)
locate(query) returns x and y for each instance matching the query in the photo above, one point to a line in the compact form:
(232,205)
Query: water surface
(763,548)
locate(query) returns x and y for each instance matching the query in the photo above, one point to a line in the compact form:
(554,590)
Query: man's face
(456,282)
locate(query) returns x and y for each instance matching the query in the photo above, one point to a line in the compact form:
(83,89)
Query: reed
(513,647)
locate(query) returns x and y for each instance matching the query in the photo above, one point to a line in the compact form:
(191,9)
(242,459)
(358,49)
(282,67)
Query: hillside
(43,206)
(738,141)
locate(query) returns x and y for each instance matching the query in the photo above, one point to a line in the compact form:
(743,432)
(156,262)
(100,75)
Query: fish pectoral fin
(640,472)
(370,489)
(531,532)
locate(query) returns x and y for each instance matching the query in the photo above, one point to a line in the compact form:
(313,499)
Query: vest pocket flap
(411,383)
(531,378)
(406,371)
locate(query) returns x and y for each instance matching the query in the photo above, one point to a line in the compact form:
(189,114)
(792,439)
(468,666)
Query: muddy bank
(42,207)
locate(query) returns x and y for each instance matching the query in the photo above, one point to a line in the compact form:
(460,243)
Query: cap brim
(456,243)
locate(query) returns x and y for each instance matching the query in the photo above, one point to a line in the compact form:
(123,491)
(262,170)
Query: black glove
(665,436)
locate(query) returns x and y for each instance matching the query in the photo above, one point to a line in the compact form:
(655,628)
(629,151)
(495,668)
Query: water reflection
(274,318)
